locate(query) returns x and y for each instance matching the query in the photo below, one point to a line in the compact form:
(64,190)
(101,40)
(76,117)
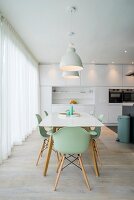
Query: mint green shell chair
(71,142)
(97,130)
(44,134)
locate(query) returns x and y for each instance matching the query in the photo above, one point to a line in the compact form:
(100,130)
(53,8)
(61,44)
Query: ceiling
(104,29)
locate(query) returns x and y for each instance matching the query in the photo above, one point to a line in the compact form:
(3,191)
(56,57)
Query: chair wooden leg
(60,159)
(97,152)
(94,159)
(59,172)
(60,155)
(45,146)
(40,153)
(50,145)
(84,172)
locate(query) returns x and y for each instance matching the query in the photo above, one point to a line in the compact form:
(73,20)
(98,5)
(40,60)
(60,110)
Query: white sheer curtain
(19,90)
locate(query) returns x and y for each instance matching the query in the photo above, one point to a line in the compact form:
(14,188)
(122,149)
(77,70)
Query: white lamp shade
(70,74)
(71,61)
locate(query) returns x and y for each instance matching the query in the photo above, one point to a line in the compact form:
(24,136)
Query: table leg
(49,150)
(94,158)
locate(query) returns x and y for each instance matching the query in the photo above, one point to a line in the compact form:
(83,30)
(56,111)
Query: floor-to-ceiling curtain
(19,89)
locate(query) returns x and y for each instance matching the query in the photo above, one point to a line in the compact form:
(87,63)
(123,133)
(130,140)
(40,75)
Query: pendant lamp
(71,61)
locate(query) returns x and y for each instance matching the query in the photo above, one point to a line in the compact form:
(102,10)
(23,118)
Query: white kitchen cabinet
(101,102)
(110,113)
(101,95)
(83,95)
(46,99)
(102,109)
(128,80)
(113,112)
(102,106)
(101,75)
(52,76)
(98,77)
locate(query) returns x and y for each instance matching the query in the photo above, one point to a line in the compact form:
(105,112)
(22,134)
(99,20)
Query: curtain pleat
(19,90)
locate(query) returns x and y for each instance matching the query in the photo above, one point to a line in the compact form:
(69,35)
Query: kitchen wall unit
(98,77)
(85,97)
(101,102)
(110,111)
(101,75)
(113,112)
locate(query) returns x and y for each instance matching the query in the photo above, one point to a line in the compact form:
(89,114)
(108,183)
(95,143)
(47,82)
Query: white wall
(51,75)
(45,99)
(101,77)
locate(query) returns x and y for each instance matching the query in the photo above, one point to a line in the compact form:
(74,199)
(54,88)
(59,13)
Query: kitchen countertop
(128,104)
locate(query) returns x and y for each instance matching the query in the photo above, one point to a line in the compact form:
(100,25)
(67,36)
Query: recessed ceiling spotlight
(72,9)
(112,62)
(132,62)
(125,51)
(71,33)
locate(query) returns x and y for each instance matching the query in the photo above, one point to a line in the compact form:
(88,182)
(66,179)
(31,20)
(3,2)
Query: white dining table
(84,120)
(55,120)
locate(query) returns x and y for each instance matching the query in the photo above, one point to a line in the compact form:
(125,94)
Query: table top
(84,120)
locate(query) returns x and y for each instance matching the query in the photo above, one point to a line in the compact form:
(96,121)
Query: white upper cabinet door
(128,80)
(51,75)
(101,96)
(102,75)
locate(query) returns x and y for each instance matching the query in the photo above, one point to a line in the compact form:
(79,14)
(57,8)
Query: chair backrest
(39,119)
(98,129)
(42,131)
(69,140)
(46,113)
(101,117)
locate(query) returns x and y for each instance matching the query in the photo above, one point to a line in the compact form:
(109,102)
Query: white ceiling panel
(104,28)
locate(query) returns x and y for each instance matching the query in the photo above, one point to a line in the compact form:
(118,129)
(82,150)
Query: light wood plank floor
(21,179)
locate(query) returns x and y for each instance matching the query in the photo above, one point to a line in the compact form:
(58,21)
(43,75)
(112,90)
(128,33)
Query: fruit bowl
(73,101)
